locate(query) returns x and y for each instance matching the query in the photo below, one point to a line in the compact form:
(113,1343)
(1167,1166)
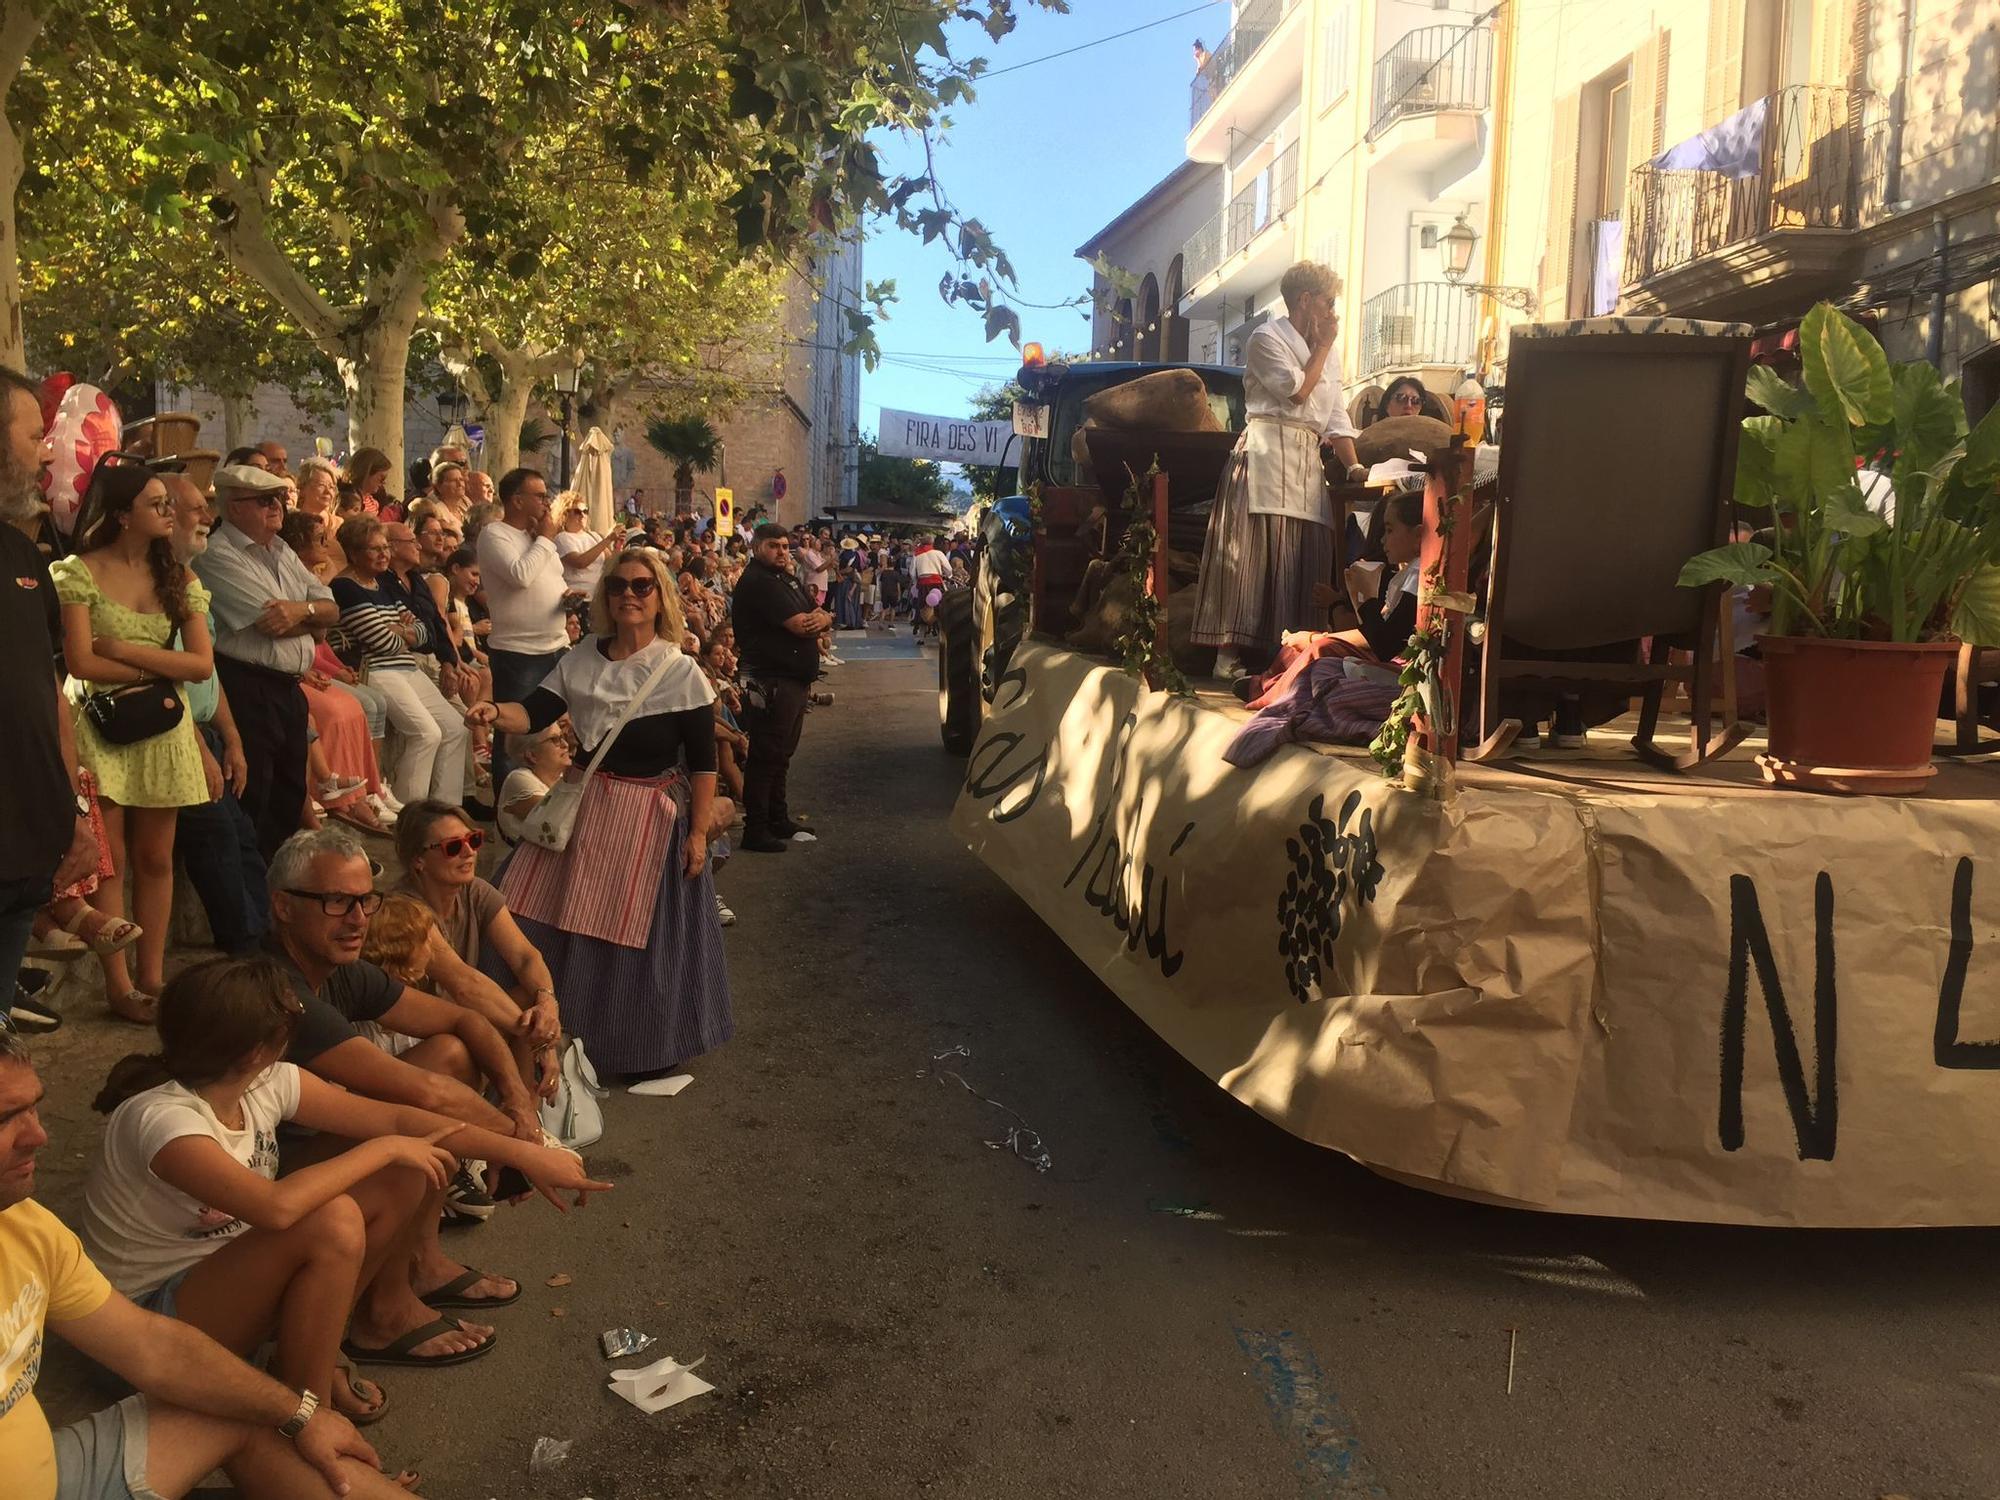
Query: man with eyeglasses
(322,895)
(268,612)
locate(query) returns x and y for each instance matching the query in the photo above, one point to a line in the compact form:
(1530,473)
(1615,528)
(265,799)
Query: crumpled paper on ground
(655,1387)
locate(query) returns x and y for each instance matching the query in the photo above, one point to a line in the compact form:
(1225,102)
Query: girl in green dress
(130,611)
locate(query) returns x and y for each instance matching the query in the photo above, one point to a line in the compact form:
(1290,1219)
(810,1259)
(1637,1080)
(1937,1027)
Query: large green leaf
(1845,369)
(1977,618)
(1847,513)
(1775,394)
(1756,462)
(1928,416)
(1812,459)
(1981,464)
(1746,563)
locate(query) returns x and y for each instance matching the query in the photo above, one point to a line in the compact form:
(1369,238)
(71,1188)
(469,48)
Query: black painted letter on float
(1946,1049)
(1815,1116)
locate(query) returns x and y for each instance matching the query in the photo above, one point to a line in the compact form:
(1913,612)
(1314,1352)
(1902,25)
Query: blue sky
(1044,158)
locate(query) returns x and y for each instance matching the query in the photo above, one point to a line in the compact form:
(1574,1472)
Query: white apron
(1282,471)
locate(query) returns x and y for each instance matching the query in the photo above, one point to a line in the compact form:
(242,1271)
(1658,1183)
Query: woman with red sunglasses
(626,913)
(487,963)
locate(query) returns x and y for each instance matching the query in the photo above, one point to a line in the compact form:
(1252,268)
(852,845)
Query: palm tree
(689,443)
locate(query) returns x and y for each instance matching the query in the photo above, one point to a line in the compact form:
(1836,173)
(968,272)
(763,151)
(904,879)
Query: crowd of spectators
(246,685)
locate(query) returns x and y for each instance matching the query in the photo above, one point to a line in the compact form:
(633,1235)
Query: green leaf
(1756,463)
(1845,369)
(1981,464)
(1812,459)
(1977,618)
(1003,319)
(1745,563)
(1847,513)
(1775,394)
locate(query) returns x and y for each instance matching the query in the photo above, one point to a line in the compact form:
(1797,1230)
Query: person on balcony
(1270,534)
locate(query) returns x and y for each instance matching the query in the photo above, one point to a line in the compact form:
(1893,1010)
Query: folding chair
(1618,465)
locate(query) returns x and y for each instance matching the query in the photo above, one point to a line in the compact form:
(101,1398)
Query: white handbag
(554,819)
(574,1116)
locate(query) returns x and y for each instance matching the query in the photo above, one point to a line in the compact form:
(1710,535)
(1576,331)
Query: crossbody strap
(617,724)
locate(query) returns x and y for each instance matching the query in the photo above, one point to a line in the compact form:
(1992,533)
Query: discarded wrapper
(620,1342)
(655,1387)
(548,1452)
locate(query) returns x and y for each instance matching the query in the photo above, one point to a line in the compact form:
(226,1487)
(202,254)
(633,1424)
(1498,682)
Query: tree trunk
(235,422)
(374,375)
(19,25)
(504,419)
(683,489)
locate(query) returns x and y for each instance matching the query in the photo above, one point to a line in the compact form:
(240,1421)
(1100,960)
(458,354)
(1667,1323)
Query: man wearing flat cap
(269,612)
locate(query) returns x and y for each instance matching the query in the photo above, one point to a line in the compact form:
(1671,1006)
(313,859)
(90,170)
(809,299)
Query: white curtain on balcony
(1608,270)
(1732,148)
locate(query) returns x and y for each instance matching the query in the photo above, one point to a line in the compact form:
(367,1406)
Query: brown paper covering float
(1766,1008)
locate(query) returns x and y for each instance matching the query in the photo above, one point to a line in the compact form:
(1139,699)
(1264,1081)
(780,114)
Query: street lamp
(566,380)
(1455,245)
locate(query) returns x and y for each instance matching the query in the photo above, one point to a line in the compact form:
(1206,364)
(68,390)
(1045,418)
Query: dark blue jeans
(217,844)
(19,901)
(515,675)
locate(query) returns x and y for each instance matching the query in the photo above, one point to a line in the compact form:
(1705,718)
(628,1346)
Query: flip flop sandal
(452,1293)
(355,1382)
(398,1352)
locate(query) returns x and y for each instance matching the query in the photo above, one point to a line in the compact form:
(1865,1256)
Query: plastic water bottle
(1468,410)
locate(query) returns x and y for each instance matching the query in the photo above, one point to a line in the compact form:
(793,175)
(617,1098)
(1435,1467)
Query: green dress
(164,771)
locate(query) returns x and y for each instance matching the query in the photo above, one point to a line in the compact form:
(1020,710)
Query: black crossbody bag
(136,711)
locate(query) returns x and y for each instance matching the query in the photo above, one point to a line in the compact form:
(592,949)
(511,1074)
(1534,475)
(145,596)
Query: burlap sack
(1165,401)
(1398,435)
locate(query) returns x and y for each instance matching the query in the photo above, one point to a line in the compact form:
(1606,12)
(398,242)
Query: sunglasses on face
(453,847)
(638,588)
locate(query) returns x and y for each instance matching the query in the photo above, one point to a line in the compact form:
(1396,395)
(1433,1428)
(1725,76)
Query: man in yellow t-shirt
(198,1407)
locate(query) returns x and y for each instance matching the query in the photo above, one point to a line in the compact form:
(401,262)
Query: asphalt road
(1187,1303)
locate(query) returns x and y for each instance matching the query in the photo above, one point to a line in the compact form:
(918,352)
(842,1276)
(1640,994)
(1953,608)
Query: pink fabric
(1293,661)
(608,898)
(343,735)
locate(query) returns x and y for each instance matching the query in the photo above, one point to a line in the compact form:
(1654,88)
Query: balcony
(1415,324)
(1430,90)
(1267,198)
(1256,69)
(1717,240)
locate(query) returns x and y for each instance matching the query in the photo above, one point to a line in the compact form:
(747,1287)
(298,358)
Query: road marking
(1306,1413)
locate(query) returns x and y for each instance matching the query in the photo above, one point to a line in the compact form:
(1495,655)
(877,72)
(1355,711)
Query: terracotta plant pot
(1852,716)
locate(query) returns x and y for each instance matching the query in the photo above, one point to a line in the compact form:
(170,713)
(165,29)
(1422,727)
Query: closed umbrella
(592,482)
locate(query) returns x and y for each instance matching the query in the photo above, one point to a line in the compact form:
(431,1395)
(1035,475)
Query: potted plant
(1882,554)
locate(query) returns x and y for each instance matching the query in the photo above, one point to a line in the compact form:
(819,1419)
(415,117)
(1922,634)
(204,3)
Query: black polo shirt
(353,992)
(765,598)
(41,810)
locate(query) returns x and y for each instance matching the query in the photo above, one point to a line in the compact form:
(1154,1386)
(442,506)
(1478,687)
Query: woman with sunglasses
(625,915)
(131,612)
(1405,397)
(488,963)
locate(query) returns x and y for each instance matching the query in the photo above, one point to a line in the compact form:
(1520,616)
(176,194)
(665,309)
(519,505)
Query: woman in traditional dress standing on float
(1270,536)
(625,914)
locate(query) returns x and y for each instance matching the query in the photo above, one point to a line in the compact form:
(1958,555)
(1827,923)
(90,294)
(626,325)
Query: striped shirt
(371,617)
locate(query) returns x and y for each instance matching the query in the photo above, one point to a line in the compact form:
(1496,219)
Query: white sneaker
(803,837)
(334,788)
(384,813)
(723,915)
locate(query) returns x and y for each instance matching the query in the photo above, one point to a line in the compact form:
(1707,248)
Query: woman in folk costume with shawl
(625,916)
(1270,535)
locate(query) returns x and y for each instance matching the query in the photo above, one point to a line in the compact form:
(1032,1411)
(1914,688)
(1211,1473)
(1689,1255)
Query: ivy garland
(1139,642)
(1423,657)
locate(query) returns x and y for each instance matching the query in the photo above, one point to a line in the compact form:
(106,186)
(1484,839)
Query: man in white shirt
(269,610)
(1270,535)
(524,584)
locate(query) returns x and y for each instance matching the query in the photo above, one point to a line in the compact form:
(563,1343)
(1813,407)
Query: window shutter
(1648,140)
(1722,94)
(1560,235)
(1833,27)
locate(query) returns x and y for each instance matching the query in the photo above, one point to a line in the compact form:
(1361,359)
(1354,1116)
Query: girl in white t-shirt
(185,1213)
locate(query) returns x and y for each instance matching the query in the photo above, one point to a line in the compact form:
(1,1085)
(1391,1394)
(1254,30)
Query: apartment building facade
(1744,159)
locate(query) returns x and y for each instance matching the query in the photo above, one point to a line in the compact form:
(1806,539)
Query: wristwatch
(82,805)
(308,1404)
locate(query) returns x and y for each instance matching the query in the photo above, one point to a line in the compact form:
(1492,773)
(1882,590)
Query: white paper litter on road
(662,1088)
(655,1387)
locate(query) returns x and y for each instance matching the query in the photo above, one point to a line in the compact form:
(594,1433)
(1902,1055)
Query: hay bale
(1165,401)
(1395,438)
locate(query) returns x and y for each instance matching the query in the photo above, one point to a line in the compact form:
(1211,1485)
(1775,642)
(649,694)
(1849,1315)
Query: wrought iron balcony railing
(1266,198)
(1813,171)
(1433,69)
(1255,21)
(1418,323)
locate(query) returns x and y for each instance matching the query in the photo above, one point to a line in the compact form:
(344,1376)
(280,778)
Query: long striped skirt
(633,944)
(1257,572)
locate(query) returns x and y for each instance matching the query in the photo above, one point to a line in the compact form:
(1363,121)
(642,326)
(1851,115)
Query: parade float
(1586,980)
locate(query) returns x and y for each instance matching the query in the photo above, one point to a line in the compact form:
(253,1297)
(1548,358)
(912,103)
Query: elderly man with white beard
(216,841)
(45,839)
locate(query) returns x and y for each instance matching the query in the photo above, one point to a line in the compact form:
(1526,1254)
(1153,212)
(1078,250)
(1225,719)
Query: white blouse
(596,688)
(1274,366)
